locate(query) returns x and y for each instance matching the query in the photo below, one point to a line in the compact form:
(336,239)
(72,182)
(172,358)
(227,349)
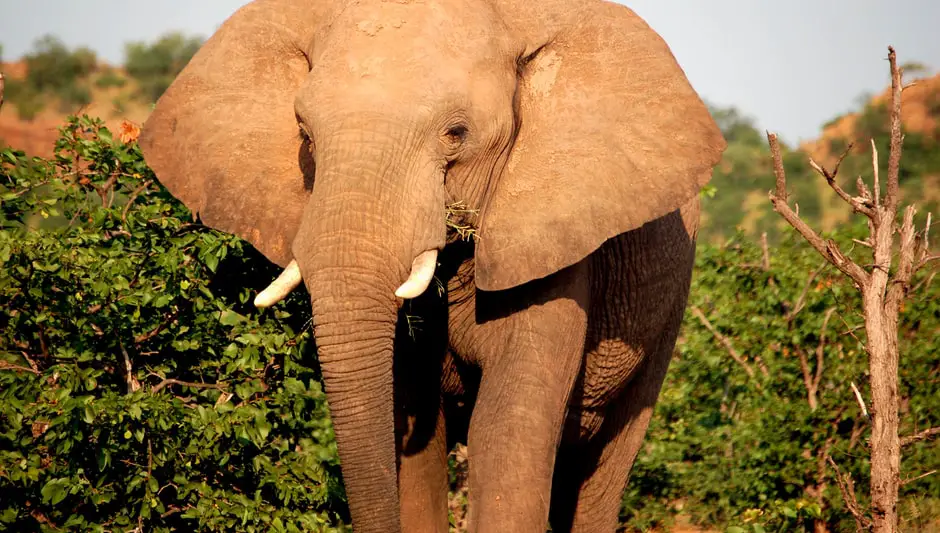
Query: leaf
(230,318)
(54,491)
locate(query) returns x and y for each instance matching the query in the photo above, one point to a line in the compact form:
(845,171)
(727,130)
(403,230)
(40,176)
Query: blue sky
(791,65)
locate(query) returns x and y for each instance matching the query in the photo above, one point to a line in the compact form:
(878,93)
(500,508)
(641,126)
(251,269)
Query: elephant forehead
(404,29)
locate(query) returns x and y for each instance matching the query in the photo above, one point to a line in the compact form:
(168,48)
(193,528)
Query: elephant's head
(331,134)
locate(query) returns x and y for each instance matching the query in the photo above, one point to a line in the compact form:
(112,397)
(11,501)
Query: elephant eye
(456,134)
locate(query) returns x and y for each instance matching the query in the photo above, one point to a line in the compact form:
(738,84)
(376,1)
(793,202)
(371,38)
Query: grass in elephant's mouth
(456,218)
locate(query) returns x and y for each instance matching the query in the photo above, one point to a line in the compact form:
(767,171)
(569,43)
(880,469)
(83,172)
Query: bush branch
(847,488)
(169,381)
(725,342)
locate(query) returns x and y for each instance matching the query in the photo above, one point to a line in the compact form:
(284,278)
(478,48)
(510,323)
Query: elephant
(333,135)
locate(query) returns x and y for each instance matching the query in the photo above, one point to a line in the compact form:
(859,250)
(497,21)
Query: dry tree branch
(913,479)
(132,384)
(892,194)
(133,197)
(858,398)
(10,366)
(765,252)
(924,283)
(817,379)
(847,488)
(828,249)
(2,86)
(812,379)
(170,381)
(726,343)
(801,300)
(807,379)
(860,204)
(919,436)
(876,179)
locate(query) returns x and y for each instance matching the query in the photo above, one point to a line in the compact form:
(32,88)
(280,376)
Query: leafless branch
(876,178)
(925,283)
(901,283)
(10,366)
(2,86)
(133,196)
(807,378)
(847,488)
(156,331)
(169,381)
(801,300)
(892,195)
(725,342)
(860,204)
(913,479)
(765,251)
(812,379)
(858,398)
(919,436)
(132,383)
(828,249)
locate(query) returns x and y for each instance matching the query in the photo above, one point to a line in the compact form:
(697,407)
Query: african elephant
(331,134)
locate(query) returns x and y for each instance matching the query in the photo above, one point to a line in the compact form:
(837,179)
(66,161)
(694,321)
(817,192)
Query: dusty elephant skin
(331,135)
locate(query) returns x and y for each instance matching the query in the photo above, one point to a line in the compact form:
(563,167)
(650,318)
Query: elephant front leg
(422,476)
(420,429)
(522,401)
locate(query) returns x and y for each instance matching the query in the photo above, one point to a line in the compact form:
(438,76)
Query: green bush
(28,101)
(109,79)
(52,67)
(138,386)
(141,390)
(73,97)
(154,66)
(747,453)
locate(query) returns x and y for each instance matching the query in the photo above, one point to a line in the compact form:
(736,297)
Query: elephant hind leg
(590,477)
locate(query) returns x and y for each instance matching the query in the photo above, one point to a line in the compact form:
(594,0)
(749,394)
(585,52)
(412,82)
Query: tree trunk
(881,327)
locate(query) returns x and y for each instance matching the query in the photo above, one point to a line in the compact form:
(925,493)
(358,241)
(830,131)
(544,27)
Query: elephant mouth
(422,272)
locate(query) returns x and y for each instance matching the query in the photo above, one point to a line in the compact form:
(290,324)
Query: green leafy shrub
(742,448)
(139,389)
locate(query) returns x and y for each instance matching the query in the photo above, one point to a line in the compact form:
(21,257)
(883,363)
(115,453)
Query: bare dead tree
(882,294)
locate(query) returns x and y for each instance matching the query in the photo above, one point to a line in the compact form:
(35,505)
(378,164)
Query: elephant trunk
(369,221)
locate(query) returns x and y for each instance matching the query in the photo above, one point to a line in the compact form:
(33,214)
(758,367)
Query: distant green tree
(736,127)
(155,65)
(52,67)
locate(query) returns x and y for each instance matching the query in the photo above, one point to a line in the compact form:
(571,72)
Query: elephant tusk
(422,270)
(281,287)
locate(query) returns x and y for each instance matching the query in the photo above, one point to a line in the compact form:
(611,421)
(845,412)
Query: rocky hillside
(745,175)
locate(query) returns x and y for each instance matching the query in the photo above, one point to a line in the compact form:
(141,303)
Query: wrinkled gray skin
(333,133)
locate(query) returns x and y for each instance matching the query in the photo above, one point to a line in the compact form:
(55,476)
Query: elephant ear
(611,136)
(224,137)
